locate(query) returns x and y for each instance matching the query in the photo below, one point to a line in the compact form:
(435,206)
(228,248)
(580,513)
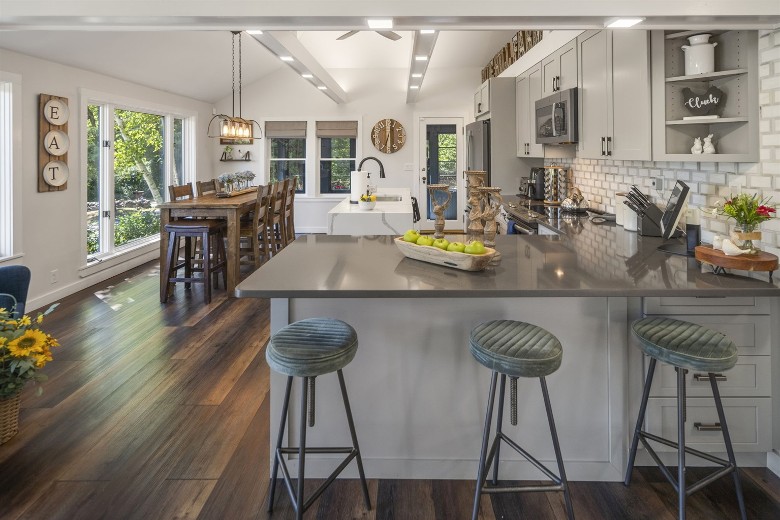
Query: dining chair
(14,284)
(182,192)
(204,187)
(289,212)
(278,231)
(255,236)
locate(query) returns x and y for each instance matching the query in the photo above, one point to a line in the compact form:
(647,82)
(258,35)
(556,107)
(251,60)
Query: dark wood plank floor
(160,411)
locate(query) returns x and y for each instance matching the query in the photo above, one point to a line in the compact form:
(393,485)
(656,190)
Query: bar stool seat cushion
(516,348)
(312,347)
(685,345)
(195,226)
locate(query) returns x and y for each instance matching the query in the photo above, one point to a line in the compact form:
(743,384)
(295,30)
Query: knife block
(649,223)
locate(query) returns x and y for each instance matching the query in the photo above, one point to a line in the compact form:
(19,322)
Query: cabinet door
(630,94)
(551,69)
(534,94)
(485,97)
(477,102)
(523,120)
(567,57)
(593,96)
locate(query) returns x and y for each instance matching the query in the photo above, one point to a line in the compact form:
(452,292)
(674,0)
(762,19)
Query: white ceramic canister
(699,55)
(629,219)
(620,208)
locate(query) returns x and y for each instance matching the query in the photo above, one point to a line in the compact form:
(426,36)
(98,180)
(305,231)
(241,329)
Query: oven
(519,219)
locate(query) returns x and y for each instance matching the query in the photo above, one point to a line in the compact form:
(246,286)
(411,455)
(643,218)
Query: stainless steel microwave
(556,118)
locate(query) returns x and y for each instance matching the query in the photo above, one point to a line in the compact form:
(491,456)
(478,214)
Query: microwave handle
(556,107)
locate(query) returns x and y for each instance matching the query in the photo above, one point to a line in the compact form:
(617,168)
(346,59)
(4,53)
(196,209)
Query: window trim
(11,174)
(321,159)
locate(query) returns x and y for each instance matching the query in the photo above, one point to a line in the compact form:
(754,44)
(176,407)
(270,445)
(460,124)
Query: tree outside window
(288,160)
(337,161)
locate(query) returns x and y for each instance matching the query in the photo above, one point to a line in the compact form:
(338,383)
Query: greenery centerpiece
(748,212)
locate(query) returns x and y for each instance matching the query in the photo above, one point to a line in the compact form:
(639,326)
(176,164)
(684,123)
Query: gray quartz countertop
(586,260)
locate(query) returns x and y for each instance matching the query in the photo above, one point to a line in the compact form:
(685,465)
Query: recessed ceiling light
(417,75)
(322,87)
(380,23)
(254,31)
(427,31)
(621,23)
(307,75)
(421,58)
(286,58)
(414,87)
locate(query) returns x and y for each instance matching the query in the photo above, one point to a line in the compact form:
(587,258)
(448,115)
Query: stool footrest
(522,489)
(530,458)
(316,494)
(293,450)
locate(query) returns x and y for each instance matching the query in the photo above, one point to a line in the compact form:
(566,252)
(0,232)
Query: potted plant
(748,211)
(24,351)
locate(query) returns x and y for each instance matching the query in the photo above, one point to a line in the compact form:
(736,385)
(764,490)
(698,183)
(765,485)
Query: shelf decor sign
(705,104)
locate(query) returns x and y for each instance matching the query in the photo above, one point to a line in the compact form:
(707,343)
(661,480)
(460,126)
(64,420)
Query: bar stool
(307,349)
(211,234)
(516,349)
(685,346)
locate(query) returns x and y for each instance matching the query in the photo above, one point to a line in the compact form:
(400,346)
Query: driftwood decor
(511,52)
(53,143)
(434,255)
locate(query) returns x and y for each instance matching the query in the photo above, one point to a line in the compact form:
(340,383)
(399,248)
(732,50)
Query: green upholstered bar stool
(307,349)
(516,349)
(686,346)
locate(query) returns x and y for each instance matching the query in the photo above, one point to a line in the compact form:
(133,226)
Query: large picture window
(132,156)
(287,152)
(338,150)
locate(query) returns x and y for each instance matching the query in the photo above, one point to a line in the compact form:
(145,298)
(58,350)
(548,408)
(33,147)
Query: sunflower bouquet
(24,350)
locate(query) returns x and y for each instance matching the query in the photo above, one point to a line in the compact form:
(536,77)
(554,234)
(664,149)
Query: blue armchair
(14,284)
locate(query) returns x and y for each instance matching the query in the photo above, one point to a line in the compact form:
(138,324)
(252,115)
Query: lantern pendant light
(234,127)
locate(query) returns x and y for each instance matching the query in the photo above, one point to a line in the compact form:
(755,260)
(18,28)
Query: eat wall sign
(54,143)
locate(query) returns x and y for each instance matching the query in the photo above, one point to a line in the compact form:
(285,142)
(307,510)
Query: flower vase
(9,416)
(745,236)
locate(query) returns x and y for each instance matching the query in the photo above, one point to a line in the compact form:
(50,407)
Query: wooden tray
(434,255)
(761,261)
(236,193)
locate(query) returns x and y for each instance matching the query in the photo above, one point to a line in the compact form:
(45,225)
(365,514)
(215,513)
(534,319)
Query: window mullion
(107,179)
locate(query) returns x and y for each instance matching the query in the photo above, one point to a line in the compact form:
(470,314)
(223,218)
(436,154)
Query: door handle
(603,149)
(706,377)
(703,427)
(424,179)
(609,145)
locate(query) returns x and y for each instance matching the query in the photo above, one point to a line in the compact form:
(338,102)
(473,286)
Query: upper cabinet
(559,69)
(528,87)
(614,88)
(482,100)
(722,103)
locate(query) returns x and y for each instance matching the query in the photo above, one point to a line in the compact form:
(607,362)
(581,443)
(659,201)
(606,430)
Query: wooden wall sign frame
(44,127)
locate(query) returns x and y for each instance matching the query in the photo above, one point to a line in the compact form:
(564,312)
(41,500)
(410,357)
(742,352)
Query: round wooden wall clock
(388,136)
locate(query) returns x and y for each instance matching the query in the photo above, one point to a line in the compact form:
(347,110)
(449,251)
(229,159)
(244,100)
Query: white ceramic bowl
(366,204)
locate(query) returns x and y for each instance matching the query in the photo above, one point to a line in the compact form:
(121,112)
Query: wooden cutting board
(760,261)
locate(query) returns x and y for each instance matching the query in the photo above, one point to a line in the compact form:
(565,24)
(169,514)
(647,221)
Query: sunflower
(32,340)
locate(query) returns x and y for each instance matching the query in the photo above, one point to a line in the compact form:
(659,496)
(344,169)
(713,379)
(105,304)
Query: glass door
(441,163)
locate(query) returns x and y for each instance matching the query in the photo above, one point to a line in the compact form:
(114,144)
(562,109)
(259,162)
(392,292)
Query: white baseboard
(773,462)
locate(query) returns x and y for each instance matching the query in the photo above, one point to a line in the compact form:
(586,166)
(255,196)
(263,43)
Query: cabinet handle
(702,427)
(603,143)
(609,145)
(479,107)
(706,377)
(557,83)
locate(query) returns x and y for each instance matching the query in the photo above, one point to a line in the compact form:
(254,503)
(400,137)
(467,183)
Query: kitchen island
(418,397)
(391,216)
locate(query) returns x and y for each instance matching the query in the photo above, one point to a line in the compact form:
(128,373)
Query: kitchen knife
(641,195)
(633,207)
(636,201)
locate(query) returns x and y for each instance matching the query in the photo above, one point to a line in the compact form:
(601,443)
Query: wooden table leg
(165,218)
(233,244)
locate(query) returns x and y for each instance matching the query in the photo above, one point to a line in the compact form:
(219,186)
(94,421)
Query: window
(10,164)
(338,145)
(287,157)
(132,156)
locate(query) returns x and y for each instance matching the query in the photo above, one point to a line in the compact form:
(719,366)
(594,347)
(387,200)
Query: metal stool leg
(485,441)
(354,439)
(639,421)
(729,449)
(681,495)
(279,439)
(301,450)
(499,422)
(557,448)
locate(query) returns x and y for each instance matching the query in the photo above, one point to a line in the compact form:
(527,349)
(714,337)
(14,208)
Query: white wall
(373,94)
(51,222)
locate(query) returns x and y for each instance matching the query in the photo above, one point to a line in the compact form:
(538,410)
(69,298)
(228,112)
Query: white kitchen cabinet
(482,100)
(559,69)
(528,90)
(614,95)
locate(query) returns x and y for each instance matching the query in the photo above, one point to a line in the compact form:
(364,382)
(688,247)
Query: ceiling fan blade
(347,35)
(390,35)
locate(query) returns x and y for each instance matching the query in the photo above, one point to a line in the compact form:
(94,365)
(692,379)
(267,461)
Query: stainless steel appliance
(534,189)
(556,118)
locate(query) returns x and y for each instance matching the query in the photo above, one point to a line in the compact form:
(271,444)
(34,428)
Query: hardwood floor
(160,411)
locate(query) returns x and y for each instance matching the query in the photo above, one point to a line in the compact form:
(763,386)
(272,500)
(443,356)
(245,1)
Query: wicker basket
(9,417)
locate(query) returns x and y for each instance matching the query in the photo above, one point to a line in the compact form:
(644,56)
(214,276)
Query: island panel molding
(53,116)
(388,135)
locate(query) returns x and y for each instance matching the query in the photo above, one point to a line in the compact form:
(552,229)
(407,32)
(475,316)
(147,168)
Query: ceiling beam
(287,44)
(422,45)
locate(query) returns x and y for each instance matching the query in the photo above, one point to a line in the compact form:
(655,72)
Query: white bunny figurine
(696,146)
(708,146)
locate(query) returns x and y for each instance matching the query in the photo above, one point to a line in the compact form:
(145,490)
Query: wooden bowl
(434,255)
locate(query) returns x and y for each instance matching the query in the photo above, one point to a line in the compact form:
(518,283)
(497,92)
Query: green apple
(424,240)
(441,243)
(475,247)
(411,236)
(457,247)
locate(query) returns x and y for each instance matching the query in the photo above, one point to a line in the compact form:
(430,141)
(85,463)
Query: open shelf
(719,120)
(710,76)
(235,160)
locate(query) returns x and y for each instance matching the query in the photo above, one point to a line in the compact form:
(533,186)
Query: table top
(211,200)
(587,260)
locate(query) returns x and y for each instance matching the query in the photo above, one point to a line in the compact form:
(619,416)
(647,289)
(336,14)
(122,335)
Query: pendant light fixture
(234,127)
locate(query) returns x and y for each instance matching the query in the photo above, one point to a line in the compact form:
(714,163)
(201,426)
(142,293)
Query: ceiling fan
(390,35)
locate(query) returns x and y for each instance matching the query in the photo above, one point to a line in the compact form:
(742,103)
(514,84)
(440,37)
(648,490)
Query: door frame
(417,189)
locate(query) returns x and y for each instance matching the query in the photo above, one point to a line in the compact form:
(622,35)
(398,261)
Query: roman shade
(337,128)
(285,128)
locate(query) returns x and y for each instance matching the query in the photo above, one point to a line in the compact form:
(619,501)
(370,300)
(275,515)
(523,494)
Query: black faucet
(381,167)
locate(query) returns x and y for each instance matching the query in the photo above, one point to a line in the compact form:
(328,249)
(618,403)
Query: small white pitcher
(699,55)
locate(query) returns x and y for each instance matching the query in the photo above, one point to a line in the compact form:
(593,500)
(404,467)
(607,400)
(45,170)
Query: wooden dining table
(229,208)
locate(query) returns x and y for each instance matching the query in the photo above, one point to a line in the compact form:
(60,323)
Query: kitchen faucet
(381,167)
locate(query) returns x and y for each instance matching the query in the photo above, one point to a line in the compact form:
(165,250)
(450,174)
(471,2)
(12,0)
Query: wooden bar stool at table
(307,349)
(685,346)
(278,227)
(516,349)
(255,238)
(289,212)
